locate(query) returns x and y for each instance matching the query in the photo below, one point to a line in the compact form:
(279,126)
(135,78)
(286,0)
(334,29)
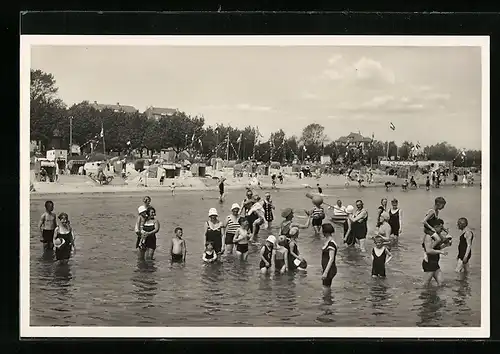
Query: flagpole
(227,148)
(103,141)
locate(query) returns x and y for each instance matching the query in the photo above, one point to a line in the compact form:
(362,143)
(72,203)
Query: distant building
(353,139)
(157,112)
(114,107)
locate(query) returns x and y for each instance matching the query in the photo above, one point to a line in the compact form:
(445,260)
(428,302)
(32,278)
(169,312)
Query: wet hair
(464,221)
(150,209)
(63,216)
(48,202)
(177,229)
(440,200)
(381,200)
(394,201)
(208,243)
(146,197)
(327,228)
(359,201)
(439,222)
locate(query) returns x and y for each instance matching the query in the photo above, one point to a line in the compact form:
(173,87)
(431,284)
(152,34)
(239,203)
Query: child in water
(281,256)
(380,257)
(47,226)
(241,239)
(178,247)
(209,256)
(317,216)
(141,219)
(266,254)
(64,239)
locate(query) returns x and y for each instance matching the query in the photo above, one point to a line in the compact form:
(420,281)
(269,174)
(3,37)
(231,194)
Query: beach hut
(178,168)
(74,164)
(169,170)
(198,170)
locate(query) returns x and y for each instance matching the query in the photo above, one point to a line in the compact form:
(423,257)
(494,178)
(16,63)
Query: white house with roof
(157,112)
(114,107)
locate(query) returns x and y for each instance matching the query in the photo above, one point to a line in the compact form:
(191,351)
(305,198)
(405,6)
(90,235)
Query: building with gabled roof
(114,107)
(157,112)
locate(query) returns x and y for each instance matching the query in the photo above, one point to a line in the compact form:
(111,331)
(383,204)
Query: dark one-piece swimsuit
(64,252)
(378,265)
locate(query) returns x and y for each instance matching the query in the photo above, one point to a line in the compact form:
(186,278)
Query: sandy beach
(74,184)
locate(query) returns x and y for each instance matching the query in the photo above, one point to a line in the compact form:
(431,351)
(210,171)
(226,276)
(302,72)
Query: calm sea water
(105,285)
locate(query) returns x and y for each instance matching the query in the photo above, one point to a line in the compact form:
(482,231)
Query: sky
(430,94)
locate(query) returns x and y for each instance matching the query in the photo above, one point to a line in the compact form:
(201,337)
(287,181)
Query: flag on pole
(304,147)
(464,153)
(418,146)
(392,126)
(102,131)
(239,138)
(128,142)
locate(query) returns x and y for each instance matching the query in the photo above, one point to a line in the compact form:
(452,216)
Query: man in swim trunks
(47,226)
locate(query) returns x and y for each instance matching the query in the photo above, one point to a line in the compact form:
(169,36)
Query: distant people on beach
(427,183)
(47,226)
(280,177)
(172,188)
(178,248)
(413,183)
(221,189)
(273,181)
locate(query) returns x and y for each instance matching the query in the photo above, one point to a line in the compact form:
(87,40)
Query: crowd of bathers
(231,235)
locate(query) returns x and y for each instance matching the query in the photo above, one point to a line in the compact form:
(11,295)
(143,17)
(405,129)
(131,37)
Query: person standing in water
(281,256)
(433,248)
(328,258)
(381,209)
(213,231)
(268,210)
(320,190)
(349,238)
(288,223)
(149,230)
(359,224)
(464,246)
(280,177)
(432,216)
(380,257)
(266,254)
(384,229)
(178,249)
(221,189)
(47,226)
(246,205)
(295,260)
(256,217)
(395,218)
(273,181)
(64,239)
(141,219)
(231,226)
(241,239)
(209,255)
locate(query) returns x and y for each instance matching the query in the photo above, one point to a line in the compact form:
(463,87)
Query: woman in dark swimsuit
(149,229)
(464,246)
(328,257)
(213,231)
(64,239)
(266,255)
(433,245)
(359,226)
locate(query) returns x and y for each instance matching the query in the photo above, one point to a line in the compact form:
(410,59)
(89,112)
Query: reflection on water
(105,285)
(430,308)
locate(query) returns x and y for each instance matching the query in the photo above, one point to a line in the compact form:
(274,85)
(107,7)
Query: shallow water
(105,285)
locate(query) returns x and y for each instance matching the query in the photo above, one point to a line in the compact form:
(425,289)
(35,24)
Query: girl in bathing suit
(266,255)
(328,258)
(241,239)
(380,257)
(209,256)
(64,239)
(281,256)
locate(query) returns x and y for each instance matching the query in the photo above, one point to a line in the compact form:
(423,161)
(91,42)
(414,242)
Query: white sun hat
(235,206)
(142,209)
(349,209)
(271,239)
(213,212)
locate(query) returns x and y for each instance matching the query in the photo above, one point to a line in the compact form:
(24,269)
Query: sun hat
(213,212)
(271,239)
(235,206)
(59,242)
(142,209)
(293,231)
(349,209)
(286,212)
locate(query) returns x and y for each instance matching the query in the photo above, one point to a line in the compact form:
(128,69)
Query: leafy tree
(405,150)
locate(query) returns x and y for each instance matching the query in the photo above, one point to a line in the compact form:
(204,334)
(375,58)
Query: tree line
(124,132)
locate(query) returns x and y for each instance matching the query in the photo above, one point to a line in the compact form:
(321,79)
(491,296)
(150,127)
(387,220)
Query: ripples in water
(105,285)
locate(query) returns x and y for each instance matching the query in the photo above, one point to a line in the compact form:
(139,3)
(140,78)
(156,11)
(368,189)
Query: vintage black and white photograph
(254,186)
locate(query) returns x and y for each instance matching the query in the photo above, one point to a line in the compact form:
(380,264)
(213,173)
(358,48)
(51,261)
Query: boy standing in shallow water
(47,226)
(178,247)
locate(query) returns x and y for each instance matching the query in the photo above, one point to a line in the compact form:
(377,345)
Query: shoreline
(126,190)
